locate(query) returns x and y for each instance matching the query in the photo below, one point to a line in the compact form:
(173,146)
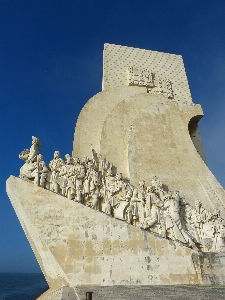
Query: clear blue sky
(51,64)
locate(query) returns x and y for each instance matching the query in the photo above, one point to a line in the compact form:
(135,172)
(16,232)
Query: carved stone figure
(155,220)
(141,200)
(174,228)
(67,173)
(128,211)
(34,149)
(150,198)
(92,183)
(55,165)
(26,170)
(108,183)
(29,156)
(41,172)
(35,171)
(122,194)
(95,185)
(78,178)
(201,218)
(158,187)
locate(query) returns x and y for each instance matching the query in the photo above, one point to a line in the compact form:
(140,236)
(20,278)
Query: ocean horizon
(22,286)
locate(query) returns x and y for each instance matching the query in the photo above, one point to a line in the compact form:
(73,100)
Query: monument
(135,203)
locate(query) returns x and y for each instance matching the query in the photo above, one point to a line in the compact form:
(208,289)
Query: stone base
(137,293)
(78,246)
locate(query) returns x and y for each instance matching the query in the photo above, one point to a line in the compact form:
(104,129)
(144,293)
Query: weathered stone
(76,245)
(145,134)
(103,217)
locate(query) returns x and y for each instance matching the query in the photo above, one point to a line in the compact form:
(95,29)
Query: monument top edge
(106,45)
(159,72)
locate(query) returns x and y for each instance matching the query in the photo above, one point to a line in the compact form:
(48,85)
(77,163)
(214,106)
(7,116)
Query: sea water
(21,286)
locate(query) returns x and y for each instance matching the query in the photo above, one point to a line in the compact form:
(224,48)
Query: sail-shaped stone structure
(136,203)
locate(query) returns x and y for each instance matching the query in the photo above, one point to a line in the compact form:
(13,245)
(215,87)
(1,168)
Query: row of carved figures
(153,208)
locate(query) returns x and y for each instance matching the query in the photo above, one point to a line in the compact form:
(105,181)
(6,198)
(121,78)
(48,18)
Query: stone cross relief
(154,208)
(148,79)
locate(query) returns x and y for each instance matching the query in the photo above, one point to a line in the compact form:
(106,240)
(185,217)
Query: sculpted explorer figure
(154,213)
(41,172)
(66,175)
(93,184)
(174,228)
(29,156)
(55,165)
(141,200)
(34,149)
(78,178)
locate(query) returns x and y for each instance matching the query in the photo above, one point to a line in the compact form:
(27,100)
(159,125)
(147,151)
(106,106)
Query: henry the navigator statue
(135,203)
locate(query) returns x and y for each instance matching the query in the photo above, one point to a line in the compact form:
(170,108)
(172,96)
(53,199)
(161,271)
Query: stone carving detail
(144,77)
(154,208)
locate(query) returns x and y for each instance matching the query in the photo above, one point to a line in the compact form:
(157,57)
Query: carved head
(174,193)
(39,157)
(156,182)
(90,165)
(166,197)
(35,141)
(86,159)
(129,194)
(150,189)
(56,154)
(69,159)
(109,172)
(76,160)
(141,183)
(95,173)
(216,212)
(119,176)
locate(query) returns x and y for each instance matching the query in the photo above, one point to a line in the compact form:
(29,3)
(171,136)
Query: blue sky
(51,64)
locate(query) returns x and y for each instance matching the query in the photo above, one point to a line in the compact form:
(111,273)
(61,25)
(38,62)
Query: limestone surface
(76,245)
(143,130)
(91,220)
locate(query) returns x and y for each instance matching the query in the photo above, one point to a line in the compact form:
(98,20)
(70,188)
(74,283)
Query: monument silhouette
(135,203)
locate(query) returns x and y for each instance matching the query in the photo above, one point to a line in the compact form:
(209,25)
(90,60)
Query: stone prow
(76,245)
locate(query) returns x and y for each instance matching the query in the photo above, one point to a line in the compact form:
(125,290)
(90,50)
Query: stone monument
(135,204)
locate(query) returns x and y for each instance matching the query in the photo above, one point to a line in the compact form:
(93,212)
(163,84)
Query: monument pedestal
(76,245)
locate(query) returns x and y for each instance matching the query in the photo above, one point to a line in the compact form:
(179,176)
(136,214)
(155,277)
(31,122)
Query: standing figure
(41,172)
(134,206)
(120,192)
(88,182)
(202,216)
(79,178)
(67,175)
(95,189)
(108,189)
(55,165)
(141,200)
(150,198)
(34,149)
(158,187)
(30,157)
(154,217)
(174,228)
